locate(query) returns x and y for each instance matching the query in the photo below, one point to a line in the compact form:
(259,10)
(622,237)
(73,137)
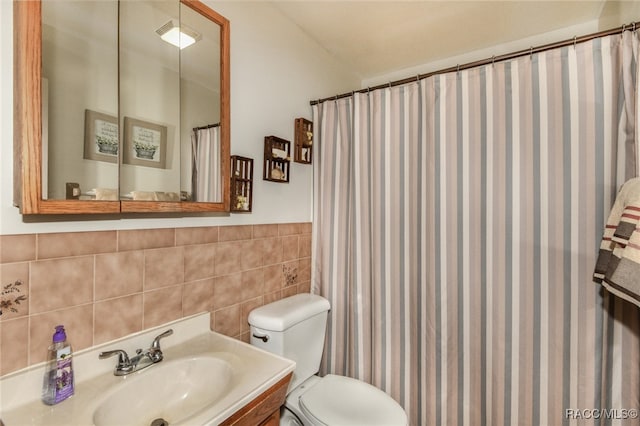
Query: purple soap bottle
(57,384)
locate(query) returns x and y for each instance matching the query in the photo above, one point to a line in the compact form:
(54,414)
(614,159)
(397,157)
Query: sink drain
(159,422)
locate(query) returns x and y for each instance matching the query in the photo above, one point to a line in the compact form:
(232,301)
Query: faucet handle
(155,353)
(123,364)
(156,342)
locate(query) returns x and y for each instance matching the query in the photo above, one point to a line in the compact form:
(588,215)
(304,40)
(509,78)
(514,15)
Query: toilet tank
(293,328)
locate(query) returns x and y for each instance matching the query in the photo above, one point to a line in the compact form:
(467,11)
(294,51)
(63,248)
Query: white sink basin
(172,391)
(203,379)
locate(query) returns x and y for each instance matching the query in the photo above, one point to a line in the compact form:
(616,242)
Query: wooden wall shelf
(241,184)
(303,150)
(277,159)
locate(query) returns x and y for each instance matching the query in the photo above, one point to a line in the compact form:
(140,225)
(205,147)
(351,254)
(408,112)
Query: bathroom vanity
(205,378)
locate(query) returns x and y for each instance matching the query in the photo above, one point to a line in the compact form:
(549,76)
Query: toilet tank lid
(280,315)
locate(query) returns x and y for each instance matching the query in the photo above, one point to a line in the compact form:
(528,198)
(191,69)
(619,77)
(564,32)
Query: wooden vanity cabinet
(264,410)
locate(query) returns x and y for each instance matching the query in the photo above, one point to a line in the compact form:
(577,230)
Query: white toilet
(295,328)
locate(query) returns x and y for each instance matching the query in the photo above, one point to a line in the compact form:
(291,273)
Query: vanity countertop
(253,371)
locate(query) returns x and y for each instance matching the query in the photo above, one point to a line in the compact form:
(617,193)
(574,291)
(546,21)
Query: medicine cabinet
(109,117)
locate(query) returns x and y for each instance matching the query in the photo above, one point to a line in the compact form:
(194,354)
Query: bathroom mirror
(179,124)
(149,102)
(79,97)
(76,134)
(200,131)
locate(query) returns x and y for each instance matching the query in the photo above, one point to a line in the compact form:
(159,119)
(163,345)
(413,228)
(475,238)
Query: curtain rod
(195,129)
(493,59)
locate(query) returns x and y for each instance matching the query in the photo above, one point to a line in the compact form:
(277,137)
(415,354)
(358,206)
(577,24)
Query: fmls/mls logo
(601,413)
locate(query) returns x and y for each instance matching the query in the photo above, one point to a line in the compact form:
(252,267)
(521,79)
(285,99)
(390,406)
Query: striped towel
(618,265)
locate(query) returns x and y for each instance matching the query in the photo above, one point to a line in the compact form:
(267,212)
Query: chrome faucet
(140,360)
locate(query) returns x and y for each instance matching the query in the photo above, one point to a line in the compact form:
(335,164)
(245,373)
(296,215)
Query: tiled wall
(107,284)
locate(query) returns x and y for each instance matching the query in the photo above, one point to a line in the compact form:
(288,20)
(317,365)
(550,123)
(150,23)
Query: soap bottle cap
(59,335)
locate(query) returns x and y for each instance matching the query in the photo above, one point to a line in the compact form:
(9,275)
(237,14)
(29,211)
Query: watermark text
(601,413)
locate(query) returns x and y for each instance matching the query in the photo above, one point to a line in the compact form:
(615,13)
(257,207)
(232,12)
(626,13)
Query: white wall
(502,49)
(275,71)
(617,13)
(614,14)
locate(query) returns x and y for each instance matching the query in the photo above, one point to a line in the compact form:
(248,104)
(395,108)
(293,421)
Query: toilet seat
(338,400)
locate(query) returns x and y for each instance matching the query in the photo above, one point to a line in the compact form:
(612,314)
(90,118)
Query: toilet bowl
(295,328)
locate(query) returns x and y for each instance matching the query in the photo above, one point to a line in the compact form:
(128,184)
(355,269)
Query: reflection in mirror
(200,108)
(169,103)
(149,103)
(79,100)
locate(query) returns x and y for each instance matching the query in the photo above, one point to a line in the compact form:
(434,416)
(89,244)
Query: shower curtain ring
(575,40)
(493,60)
(531,53)
(624,27)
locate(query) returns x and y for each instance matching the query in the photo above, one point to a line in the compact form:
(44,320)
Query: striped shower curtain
(457,221)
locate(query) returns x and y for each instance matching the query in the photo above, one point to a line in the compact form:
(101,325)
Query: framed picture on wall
(100,137)
(145,144)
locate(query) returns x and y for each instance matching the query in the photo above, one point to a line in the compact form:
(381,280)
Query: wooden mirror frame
(27,124)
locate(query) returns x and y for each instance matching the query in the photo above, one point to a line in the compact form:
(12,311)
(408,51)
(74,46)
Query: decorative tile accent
(11,297)
(142,278)
(14,290)
(290,271)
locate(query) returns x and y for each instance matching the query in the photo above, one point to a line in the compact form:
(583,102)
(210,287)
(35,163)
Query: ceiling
(374,38)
